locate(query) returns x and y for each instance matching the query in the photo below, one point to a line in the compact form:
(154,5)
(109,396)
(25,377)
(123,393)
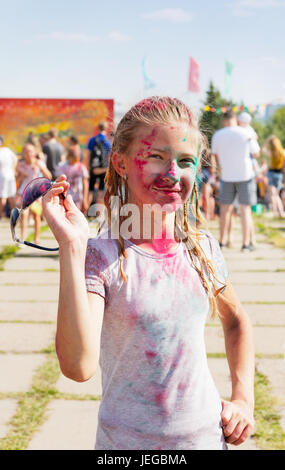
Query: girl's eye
(186,162)
(156,156)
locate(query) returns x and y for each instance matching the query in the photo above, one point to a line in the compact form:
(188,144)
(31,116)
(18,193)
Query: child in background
(29,168)
(77,176)
(147,296)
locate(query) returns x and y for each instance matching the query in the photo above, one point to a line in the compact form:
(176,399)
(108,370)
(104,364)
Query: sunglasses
(33,191)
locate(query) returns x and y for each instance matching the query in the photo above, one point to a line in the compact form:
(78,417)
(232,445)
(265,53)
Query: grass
(272,234)
(31,410)
(269,434)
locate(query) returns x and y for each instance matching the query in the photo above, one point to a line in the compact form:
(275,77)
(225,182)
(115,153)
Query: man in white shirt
(232,147)
(8,163)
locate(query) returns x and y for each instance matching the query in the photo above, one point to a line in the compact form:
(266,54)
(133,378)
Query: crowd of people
(236,175)
(45,156)
(237,179)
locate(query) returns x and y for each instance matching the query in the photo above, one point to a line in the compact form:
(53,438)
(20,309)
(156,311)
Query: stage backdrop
(19,117)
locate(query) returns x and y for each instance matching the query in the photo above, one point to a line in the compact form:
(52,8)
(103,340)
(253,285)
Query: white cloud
(176,15)
(118,36)
(77,37)
(249,7)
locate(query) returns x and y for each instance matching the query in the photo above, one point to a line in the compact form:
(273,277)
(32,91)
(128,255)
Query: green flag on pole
(228,77)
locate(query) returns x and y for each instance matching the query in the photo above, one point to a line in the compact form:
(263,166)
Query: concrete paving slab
(256,265)
(28,311)
(31,263)
(7,410)
(258,278)
(17,371)
(260,293)
(265,342)
(45,294)
(25,337)
(221,375)
(92,386)
(261,314)
(28,278)
(71,425)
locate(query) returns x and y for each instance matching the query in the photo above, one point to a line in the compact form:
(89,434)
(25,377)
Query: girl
(29,168)
(273,148)
(148,296)
(78,178)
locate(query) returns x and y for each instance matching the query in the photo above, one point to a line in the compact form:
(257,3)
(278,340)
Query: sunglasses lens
(34,190)
(13,220)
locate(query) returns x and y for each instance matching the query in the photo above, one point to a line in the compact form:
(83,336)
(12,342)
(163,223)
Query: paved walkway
(28,305)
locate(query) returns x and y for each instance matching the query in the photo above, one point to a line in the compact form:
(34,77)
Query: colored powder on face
(184,140)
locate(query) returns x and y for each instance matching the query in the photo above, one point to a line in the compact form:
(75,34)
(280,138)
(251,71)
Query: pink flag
(193,83)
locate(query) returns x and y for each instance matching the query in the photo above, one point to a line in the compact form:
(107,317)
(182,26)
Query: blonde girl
(29,168)
(273,148)
(77,177)
(138,299)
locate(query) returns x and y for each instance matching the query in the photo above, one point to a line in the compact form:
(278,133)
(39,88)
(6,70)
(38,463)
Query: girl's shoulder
(208,242)
(103,248)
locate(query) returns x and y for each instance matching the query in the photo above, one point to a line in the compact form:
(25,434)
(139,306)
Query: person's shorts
(97,178)
(275,178)
(246,191)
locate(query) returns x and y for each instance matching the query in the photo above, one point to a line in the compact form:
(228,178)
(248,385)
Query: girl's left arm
(237,415)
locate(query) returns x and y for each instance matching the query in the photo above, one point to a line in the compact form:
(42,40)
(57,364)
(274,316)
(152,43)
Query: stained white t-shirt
(233,145)
(158,392)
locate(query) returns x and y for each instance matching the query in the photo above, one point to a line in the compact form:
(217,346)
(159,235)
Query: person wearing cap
(232,148)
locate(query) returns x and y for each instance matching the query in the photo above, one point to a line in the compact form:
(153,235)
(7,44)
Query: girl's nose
(173,173)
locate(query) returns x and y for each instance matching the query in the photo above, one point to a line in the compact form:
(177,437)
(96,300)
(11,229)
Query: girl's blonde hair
(149,112)
(276,153)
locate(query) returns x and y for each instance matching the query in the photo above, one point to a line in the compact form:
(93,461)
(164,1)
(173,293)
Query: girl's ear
(119,163)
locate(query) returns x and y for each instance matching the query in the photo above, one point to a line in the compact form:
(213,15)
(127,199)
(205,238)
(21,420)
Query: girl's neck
(157,234)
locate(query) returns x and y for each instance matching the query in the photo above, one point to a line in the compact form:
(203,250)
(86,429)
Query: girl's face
(161,165)
(29,153)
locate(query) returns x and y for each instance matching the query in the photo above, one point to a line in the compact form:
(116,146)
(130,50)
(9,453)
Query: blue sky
(94,49)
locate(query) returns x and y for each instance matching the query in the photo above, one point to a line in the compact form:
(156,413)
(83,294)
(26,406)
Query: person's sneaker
(245,248)
(221,245)
(252,247)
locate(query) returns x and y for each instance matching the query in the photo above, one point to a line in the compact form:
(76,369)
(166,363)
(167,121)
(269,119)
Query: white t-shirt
(158,392)
(7,162)
(233,145)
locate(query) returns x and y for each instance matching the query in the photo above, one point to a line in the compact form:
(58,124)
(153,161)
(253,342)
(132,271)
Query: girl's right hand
(65,220)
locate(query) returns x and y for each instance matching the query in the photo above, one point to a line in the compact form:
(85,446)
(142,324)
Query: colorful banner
(193,80)
(19,117)
(236,109)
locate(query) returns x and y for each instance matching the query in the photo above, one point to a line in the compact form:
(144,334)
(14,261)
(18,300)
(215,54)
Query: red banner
(193,82)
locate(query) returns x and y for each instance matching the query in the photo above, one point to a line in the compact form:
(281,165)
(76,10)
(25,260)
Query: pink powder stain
(140,163)
(150,354)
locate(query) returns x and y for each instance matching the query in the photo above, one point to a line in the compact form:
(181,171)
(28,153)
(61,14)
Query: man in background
(232,149)
(99,148)
(54,152)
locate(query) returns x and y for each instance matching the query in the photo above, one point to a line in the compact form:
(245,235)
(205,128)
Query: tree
(211,121)
(278,124)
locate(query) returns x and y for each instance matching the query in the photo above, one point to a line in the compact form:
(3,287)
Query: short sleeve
(254,146)
(216,257)
(97,276)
